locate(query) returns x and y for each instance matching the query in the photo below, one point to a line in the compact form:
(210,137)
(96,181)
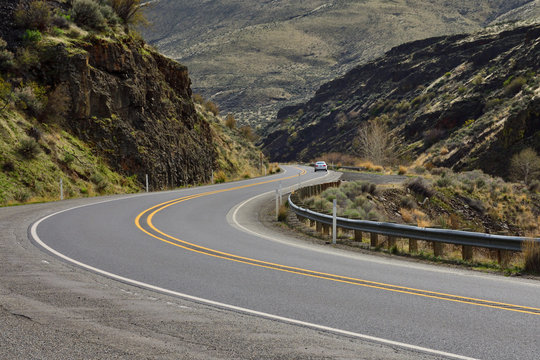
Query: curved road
(188,243)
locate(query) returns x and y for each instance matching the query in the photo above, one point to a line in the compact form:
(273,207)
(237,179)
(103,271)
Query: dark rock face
(135,107)
(443,87)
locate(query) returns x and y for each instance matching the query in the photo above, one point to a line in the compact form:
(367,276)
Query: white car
(320,165)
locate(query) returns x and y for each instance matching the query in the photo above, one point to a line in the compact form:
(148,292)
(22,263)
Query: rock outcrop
(134,105)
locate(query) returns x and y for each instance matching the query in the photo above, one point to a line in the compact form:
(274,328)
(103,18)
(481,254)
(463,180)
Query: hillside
(463,101)
(254,57)
(90,103)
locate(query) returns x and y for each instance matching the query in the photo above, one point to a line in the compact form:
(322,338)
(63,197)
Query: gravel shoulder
(50,309)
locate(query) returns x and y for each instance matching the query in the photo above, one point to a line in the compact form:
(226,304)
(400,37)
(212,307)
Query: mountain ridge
(252,59)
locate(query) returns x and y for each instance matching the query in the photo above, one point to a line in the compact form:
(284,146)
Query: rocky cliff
(463,101)
(135,106)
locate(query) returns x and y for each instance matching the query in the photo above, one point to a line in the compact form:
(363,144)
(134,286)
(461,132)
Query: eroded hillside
(464,102)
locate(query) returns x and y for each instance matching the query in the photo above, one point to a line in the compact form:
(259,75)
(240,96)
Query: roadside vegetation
(441,198)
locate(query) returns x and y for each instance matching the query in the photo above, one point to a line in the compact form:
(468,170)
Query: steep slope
(254,57)
(99,108)
(464,101)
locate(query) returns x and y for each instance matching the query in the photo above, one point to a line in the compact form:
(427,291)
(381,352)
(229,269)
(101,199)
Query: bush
(34,133)
(6,56)
(407,202)
(28,149)
(8,166)
(420,187)
(36,17)
(27,99)
(60,22)
(26,59)
(198,98)
(220,177)
(514,86)
(68,158)
(212,107)
(21,196)
(31,36)
(87,13)
(129,11)
(100,181)
(534,186)
(282,213)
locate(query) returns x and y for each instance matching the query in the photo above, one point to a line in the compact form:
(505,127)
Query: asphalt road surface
(197,245)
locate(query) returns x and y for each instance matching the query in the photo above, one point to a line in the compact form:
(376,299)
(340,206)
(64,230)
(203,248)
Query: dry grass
(531,255)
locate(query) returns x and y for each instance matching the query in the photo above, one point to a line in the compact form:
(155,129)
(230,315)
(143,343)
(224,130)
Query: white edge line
(37,239)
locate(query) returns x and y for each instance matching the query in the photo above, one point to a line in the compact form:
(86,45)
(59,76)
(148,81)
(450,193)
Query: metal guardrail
(456,237)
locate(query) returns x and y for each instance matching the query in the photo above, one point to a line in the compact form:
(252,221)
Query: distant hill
(462,101)
(254,57)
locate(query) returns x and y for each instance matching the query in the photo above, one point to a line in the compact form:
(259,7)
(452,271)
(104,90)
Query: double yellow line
(147,216)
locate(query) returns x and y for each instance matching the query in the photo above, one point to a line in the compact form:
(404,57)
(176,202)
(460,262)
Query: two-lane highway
(182,243)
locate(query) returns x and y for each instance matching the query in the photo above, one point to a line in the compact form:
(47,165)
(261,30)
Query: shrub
(420,187)
(514,86)
(402,170)
(100,181)
(26,58)
(368,188)
(230,121)
(352,214)
(282,213)
(212,107)
(36,17)
(220,177)
(534,186)
(248,133)
(8,166)
(407,202)
(34,133)
(68,158)
(198,98)
(61,22)
(21,196)
(87,13)
(31,36)
(27,99)
(531,253)
(6,56)
(28,148)
(129,11)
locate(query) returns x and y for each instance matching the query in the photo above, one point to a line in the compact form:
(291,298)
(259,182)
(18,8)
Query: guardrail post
(413,245)
(466,252)
(319,226)
(374,239)
(311,223)
(334,221)
(438,248)
(357,235)
(391,241)
(277,204)
(326,229)
(503,257)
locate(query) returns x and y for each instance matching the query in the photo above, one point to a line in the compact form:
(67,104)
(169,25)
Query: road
(188,243)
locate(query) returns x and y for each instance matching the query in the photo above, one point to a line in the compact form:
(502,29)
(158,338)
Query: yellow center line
(305,272)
